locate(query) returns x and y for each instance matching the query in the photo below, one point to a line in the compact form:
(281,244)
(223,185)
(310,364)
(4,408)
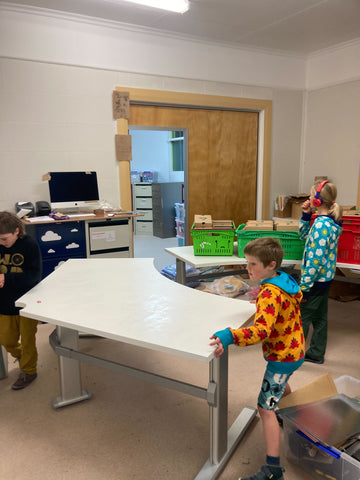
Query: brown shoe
(23,381)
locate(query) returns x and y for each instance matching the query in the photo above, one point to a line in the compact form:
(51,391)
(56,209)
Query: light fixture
(178,6)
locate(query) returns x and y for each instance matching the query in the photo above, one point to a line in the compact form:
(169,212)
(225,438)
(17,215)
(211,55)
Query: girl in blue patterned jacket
(319,263)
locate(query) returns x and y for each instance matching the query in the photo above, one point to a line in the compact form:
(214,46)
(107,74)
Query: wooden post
(124,171)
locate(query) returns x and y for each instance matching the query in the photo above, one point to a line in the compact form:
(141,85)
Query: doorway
(157,180)
(221,177)
(143,99)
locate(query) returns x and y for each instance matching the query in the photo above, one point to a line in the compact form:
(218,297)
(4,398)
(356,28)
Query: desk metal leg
(222,441)
(69,371)
(3,363)
(180,272)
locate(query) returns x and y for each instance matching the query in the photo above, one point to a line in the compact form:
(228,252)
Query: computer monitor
(72,190)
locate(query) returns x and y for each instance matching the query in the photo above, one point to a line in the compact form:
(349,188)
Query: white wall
(54,117)
(333,138)
(333,66)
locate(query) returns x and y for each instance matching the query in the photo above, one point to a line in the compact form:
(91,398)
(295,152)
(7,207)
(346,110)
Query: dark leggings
(314,312)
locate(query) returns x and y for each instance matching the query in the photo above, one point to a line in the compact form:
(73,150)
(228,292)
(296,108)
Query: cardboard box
(296,202)
(259,225)
(319,389)
(282,207)
(223,225)
(203,222)
(284,213)
(286,225)
(352,213)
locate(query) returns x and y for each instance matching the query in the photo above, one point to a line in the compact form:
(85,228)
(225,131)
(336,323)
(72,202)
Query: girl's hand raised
(306,206)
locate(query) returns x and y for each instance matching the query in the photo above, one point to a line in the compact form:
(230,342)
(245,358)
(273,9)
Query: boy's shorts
(272,389)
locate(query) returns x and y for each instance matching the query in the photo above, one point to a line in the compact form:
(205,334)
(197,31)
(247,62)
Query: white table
(185,255)
(128,300)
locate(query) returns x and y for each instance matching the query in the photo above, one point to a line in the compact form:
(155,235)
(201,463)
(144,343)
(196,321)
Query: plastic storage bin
(320,436)
(320,460)
(148,176)
(349,242)
(348,385)
(180,228)
(292,245)
(181,241)
(213,242)
(135,176)
(180,211)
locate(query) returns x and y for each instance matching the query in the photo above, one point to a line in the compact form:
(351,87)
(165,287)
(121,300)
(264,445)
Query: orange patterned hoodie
(277,325)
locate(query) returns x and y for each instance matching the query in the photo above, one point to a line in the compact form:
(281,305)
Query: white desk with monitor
(128,300)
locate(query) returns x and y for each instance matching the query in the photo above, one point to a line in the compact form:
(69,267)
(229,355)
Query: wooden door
(222,157)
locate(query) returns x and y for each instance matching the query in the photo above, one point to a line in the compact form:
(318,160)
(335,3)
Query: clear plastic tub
(348,385)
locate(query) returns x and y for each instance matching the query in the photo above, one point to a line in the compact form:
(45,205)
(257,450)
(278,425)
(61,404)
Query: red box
(349,241)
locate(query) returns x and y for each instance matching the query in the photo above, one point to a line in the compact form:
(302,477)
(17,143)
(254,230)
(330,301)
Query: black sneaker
(308,358)
(267,472)
(23,381)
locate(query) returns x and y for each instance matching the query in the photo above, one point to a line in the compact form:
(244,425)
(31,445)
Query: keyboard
(74,215)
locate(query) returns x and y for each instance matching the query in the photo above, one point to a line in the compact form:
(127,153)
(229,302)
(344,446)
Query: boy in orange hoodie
(278,327)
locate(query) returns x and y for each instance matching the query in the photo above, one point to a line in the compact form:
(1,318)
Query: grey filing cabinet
(164,197)
(142,201)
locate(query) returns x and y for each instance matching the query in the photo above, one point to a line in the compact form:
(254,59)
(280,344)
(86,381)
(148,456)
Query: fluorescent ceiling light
(178,6)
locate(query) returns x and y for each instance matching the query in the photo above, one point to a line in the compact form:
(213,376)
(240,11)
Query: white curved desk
(128,300)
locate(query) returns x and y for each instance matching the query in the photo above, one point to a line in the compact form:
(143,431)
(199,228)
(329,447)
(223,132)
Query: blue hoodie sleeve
(304,225)
(225,336)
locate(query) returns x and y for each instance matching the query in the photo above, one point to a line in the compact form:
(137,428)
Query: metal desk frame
(64,342)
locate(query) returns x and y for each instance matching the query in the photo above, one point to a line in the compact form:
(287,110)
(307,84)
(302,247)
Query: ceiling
(293,27)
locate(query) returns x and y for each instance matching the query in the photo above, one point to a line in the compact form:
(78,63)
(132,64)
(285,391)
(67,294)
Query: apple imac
(71,191)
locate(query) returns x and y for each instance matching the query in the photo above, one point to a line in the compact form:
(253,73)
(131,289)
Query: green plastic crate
(213,242)
(292,245)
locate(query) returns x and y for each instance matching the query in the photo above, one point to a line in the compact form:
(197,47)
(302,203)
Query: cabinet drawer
(143,190)
(144,228)
(104,236)
(143,202)
(48,266)
(61,239)
(146,215)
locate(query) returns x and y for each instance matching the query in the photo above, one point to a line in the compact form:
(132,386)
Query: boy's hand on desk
(219,346)
(2,280)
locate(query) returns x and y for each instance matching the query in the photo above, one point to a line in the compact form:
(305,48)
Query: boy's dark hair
(265,249)
(9,222)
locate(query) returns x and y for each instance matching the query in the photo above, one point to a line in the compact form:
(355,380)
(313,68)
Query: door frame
(163,98)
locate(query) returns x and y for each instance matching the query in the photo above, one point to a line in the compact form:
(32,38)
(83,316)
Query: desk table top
(127,299)
(186,254)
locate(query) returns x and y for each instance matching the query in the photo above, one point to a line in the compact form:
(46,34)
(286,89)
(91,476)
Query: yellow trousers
(17,335)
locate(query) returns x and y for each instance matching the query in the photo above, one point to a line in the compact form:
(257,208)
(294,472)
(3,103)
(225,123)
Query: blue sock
(272,460)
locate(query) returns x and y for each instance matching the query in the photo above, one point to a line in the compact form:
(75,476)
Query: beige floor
(133,430)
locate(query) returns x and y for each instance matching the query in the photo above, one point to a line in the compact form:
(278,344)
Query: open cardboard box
(319,389)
